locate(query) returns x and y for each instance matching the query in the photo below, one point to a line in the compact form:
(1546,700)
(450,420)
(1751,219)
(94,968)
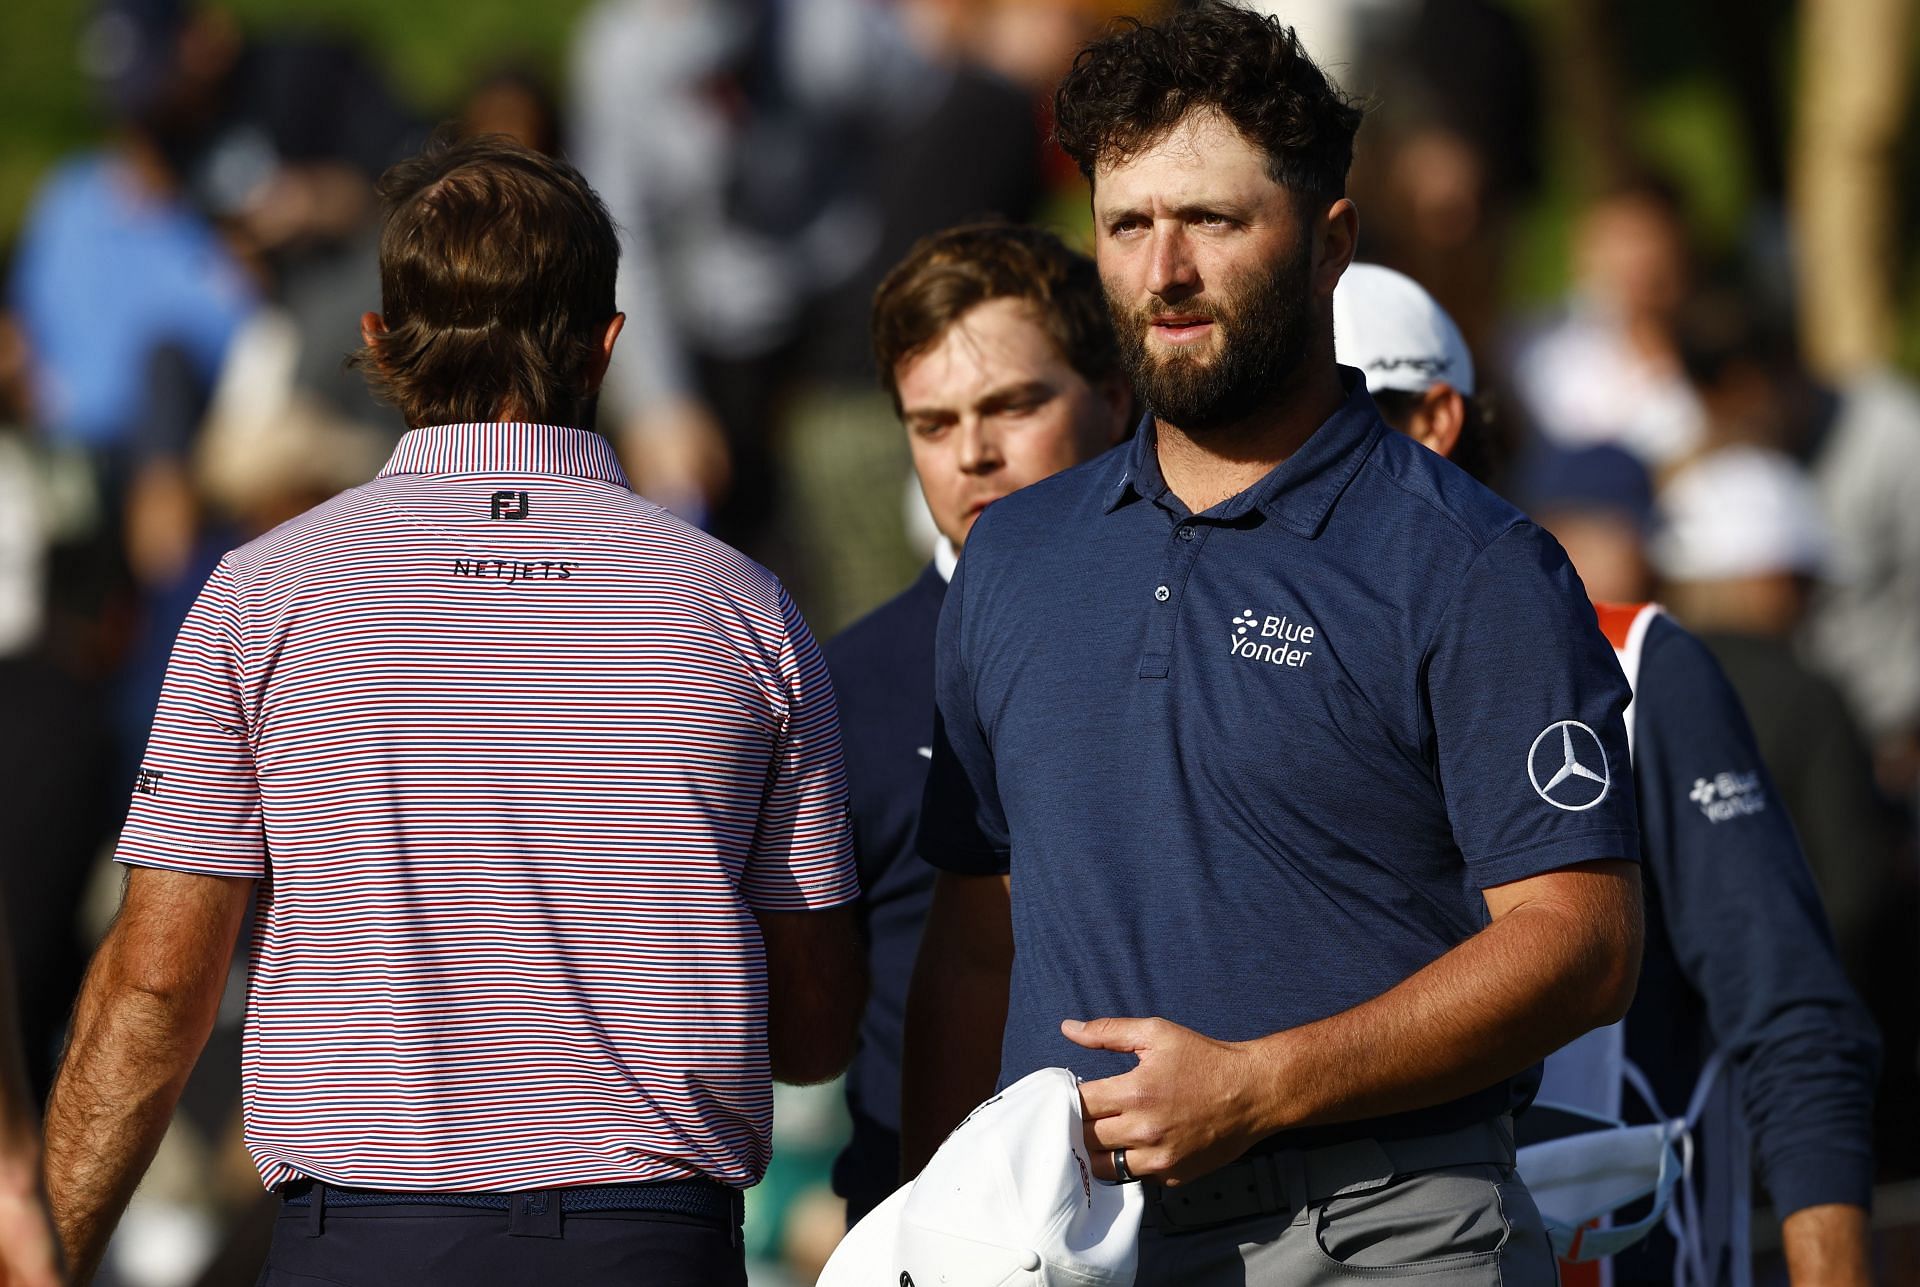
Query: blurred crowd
(1727,433)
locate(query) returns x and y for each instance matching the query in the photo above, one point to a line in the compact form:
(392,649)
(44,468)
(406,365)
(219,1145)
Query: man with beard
(1274,727)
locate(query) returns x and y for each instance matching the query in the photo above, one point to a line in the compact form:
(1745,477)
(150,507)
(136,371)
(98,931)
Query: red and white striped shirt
(515,756)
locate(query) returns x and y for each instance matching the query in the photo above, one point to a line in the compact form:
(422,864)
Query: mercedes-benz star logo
(1572,779)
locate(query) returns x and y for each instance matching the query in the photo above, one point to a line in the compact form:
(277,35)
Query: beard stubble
(1266,329)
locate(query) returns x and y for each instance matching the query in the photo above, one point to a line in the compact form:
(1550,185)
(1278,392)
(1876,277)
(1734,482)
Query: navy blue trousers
(422,1246)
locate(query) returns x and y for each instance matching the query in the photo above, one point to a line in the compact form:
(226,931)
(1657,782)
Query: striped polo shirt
(515,756)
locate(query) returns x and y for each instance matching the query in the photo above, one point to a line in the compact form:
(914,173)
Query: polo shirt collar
(506,449)
(1298,493)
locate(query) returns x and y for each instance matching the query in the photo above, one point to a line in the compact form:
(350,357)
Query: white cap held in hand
(1010,1200)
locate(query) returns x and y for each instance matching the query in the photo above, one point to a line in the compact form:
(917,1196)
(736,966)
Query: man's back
(530,754)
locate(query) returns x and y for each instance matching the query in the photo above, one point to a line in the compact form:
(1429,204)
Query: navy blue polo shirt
(883,680)
(1252,767)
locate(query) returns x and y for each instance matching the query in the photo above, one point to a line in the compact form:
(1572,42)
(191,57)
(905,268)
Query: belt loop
(316,1209)
(1293,1177)
(533,1214)
(1267,1184)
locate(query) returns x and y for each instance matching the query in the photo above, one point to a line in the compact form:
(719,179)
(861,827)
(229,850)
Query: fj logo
(1278,641)
(509,505)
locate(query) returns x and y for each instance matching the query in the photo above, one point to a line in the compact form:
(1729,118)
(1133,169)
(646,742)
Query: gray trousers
(1448,1211)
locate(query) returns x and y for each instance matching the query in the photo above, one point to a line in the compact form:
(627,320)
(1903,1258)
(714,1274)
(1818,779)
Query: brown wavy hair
(1128,89)
(949,273)
(496,286)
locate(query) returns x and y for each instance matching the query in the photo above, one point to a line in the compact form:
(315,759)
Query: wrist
(1275,1101)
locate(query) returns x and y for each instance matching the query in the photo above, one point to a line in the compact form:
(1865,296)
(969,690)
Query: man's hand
(1561,956)
(1186,1109)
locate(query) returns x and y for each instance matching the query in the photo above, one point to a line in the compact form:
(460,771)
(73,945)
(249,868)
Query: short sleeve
(802,856)
(196,798)
(962,826)
(1526,700)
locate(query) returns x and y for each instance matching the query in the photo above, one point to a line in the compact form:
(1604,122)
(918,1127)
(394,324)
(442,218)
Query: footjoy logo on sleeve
(1278,641)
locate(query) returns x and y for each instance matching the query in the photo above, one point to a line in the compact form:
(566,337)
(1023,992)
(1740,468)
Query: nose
(1170,266)
(978,446)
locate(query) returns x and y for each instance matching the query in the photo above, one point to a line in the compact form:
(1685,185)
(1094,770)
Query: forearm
(812,1038)
(816,989)
(951,1059)
(956,1012)
(1524,986)
(1827,1246)
(128,1057)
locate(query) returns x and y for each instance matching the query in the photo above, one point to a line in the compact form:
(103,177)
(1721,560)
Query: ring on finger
(1120,1170)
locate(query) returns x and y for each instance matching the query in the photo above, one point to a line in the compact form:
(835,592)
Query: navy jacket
(883,678)
(1738,955)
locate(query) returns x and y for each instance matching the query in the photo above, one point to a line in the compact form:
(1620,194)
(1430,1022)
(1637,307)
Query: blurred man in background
(445,1018)
(994,344)
(1598,503)
(1739,957)
(1608,370)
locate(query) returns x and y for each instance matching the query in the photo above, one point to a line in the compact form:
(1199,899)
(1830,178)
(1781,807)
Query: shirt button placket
(1181,552)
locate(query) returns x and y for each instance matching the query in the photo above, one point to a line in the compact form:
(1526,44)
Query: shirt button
(1186,533)
(1162,593)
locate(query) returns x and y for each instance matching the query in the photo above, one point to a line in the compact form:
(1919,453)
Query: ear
(1438,419)
(1336,241)
(598,372)
(372,330)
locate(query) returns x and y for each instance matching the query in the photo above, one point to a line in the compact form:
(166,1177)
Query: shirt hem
(238,870)
(963,862)
(1614,843)
(1800,1179)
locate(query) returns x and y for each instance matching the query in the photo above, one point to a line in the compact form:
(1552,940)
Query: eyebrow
(998,395)
(1016,392)
(1232,208)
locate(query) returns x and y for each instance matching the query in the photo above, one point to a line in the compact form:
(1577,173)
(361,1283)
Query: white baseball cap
(1386,324)
(1739,511)
(1010,1200)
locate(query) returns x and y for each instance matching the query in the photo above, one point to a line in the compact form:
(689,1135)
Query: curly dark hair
(949,273)
(496,284)
(1128,89)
